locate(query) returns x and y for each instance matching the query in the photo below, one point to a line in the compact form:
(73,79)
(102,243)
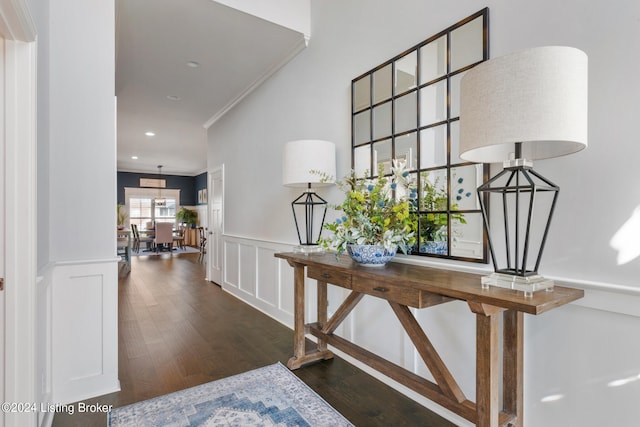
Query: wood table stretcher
(403,286)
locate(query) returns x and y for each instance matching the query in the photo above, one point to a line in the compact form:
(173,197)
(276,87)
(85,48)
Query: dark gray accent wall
(201,183)
(186,185)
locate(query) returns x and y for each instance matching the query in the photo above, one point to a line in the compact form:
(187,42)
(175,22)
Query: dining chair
(203,243)
(178,237)
(164,235)
(137,238)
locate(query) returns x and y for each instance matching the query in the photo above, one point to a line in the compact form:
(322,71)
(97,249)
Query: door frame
(20,97)
(216,251)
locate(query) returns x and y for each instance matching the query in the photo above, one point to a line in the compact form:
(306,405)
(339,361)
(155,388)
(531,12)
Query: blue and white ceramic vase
(431,247)
(370,255)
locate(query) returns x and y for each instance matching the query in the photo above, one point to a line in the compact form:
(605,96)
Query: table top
(450,283)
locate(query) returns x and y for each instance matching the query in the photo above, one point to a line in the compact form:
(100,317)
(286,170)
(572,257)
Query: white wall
(575,353)
(40,14)
(310,98)
(597,195)
(82,178)
(77,288)
(76,130)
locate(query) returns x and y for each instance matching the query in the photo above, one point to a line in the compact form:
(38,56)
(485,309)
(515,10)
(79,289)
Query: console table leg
(300,354)
(299,349)
(513,365)
(487,370)
(322,312)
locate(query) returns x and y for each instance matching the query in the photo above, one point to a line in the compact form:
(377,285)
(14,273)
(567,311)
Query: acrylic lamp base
(526,284)
(308,249)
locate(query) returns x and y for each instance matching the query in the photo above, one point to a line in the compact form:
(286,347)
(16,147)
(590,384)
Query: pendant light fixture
(160,201)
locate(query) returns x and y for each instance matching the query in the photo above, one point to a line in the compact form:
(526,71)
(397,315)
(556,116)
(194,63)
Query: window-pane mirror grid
(407,109)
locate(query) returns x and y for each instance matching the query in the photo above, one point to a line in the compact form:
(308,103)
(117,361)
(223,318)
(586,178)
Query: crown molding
(297,48)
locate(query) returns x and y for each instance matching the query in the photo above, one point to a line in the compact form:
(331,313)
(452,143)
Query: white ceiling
(155,39)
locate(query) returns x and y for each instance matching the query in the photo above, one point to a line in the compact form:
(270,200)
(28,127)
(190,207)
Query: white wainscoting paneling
(84,330)
(231,264)
(284,274)
(255,275)
(265,289)
(247,274)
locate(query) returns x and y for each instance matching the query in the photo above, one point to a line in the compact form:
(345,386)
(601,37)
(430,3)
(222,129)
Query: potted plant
(375,220)
(121,216)
(187,216)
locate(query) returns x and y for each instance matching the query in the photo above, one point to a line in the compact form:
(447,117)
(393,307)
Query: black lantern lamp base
(520,189)
(310,206)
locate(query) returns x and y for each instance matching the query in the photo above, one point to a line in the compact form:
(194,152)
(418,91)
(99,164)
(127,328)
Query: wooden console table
(405,286)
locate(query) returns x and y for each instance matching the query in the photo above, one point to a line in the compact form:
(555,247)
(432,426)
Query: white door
(216,225)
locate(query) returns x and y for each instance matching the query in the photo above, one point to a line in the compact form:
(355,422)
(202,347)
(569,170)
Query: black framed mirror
(407,108)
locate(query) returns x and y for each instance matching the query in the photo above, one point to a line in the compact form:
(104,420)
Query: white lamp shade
(301,157)
(536,96)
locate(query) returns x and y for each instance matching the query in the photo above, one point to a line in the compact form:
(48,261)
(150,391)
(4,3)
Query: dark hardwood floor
(176,330)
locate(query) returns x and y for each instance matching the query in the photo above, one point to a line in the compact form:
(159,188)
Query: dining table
(123,247)
(151,232)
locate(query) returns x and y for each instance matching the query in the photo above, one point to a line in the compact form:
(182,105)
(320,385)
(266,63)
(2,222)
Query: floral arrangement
(371,213)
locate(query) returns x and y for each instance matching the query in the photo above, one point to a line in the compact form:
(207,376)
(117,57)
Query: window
(166,213)
(142,209)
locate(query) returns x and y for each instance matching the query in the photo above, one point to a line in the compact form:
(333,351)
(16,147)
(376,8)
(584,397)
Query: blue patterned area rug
(270,397)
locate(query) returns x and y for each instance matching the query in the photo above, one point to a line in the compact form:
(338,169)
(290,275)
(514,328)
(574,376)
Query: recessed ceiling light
(173,98)
(193,64)
(149,133)
(134,157)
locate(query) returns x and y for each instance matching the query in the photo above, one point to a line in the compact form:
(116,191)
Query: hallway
(177,330)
